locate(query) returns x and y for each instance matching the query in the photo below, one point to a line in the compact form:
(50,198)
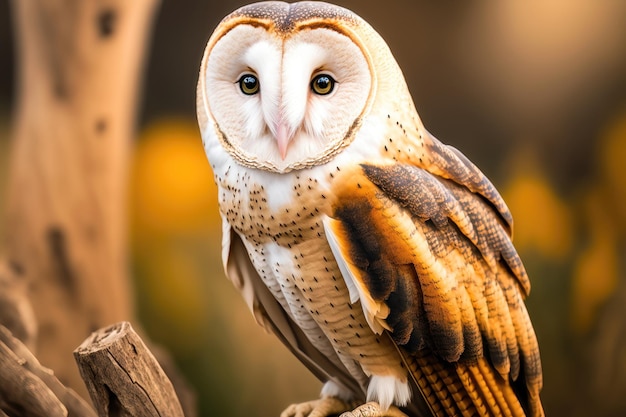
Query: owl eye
(249,84)
(323,84)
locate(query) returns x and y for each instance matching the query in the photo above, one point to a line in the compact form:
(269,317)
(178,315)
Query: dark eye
(249,84)
(322,84)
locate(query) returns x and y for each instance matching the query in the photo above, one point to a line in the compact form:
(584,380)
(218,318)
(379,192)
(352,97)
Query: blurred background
(533,92)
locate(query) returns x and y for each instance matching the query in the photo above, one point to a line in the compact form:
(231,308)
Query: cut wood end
(122,374)
(104,337)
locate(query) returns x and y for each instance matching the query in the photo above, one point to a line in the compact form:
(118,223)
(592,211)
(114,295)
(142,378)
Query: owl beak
(283,137)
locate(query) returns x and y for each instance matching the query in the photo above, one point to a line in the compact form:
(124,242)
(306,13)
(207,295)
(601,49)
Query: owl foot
(372,409)
(324,407)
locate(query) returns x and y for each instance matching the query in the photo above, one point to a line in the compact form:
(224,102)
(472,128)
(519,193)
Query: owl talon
(324,407)
(372,409)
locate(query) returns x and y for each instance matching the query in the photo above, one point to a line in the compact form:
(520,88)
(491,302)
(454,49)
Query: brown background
(533,92)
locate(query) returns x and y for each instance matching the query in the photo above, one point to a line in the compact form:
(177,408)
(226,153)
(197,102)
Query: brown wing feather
(448,162)
(434,248)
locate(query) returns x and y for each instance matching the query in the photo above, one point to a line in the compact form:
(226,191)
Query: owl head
(288,86)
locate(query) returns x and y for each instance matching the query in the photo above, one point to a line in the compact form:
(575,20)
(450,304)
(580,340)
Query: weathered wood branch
(20,387)
(122,376)
(29,389)
(78,72)
(16,313)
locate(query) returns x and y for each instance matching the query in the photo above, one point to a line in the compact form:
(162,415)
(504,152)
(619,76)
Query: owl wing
(270,315)
(427,251)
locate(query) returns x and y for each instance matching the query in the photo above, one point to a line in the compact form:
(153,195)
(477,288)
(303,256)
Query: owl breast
(279,217)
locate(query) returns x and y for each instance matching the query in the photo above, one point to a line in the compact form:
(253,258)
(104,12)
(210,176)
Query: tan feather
(466,285)
(272,317)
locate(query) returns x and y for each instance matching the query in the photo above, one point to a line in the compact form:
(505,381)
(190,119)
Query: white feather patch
(343,267)
(387,390)
(375,312)
(335,390)
(225,243)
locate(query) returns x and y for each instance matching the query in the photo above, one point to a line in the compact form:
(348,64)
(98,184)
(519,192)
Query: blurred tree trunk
(79,66)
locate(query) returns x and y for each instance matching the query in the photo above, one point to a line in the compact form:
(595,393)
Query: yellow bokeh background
(545,225)
(172,188)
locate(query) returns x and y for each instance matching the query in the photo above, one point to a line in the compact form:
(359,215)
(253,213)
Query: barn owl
(379,256)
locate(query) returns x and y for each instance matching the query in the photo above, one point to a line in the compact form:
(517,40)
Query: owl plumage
(379,256)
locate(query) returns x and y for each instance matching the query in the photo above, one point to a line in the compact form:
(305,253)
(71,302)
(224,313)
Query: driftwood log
(123,377)
(16,313)
(78,70)
(29,389)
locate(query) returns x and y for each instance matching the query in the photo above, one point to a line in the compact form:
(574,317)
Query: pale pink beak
(282,138)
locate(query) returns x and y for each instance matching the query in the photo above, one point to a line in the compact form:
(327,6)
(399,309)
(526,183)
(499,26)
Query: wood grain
(29,389)
(122,376)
